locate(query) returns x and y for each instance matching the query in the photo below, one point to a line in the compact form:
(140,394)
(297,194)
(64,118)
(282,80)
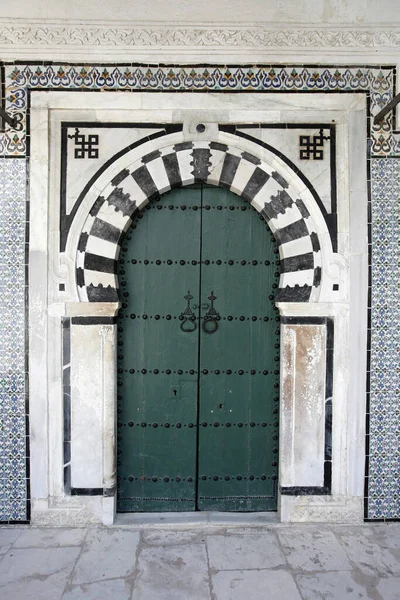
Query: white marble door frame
(48,306)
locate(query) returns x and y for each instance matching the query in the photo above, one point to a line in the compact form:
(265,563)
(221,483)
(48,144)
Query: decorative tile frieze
(378,83)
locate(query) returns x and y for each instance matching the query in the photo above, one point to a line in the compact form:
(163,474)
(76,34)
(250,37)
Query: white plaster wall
(190,11)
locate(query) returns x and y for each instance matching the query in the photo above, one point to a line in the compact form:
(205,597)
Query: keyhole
(175,392)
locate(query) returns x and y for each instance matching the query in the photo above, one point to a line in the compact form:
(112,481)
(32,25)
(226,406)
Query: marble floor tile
(307,551)
(172,573)
(251,551)
(40,574)
(112,589)
(171,538)
(106,554)
(368,556)
(389,589)
(254,585)
(333,585)
(50,538)
(8,535)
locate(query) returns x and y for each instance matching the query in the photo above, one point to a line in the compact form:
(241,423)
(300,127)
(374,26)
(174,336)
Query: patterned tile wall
(377,83)
(13,441)
(384,400)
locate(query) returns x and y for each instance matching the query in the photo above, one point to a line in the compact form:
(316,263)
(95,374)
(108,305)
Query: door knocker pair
(210,319)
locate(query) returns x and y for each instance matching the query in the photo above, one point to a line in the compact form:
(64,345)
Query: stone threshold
(193,519)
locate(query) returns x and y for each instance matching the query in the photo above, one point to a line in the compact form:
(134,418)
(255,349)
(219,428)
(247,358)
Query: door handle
(211,318)
(188,318)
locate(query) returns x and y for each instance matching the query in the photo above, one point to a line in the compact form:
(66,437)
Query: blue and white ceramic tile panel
(13,446)
(384,439)
(382,484)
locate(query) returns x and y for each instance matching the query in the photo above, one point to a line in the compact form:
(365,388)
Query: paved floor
(201,563)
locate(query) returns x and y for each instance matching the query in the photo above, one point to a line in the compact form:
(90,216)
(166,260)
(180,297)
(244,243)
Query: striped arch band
(187,163)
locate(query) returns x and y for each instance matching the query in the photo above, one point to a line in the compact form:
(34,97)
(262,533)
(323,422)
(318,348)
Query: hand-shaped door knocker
(211,318)
(188,317)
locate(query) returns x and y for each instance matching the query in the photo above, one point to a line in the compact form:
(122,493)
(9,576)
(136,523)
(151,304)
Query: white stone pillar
(305,467)
(302,432)
(92,416)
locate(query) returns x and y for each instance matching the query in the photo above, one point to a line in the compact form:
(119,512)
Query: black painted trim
(99,293)
(172,169)
(26,338)
(93,320)
(229,169)
(105,231)
(293,231)
(66,362)
(86,491)
(122,202)
(201,163)
(94,262)
(145,181)
(301,262)
(369,311)
(277,205)
(305,491)
(294,294)
(303,320)
(256,182)
(326,489)
(13,521)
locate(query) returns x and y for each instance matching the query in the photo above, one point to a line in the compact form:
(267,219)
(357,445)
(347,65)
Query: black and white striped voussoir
(184,164)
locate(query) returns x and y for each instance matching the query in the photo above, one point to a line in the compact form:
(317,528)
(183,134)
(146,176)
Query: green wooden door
(198,357)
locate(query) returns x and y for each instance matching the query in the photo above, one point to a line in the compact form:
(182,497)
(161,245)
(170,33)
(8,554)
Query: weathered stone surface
(172,572)
(307,551)
(369,557)
(116,589)
(9,535)
(40,574)
(331,586)
(254,585)
(171,538)
(48,538)
(387,536)
(310,562)
(251,551)
(389,589)
(107,553)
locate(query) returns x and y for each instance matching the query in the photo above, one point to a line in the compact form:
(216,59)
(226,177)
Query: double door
(198,357)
